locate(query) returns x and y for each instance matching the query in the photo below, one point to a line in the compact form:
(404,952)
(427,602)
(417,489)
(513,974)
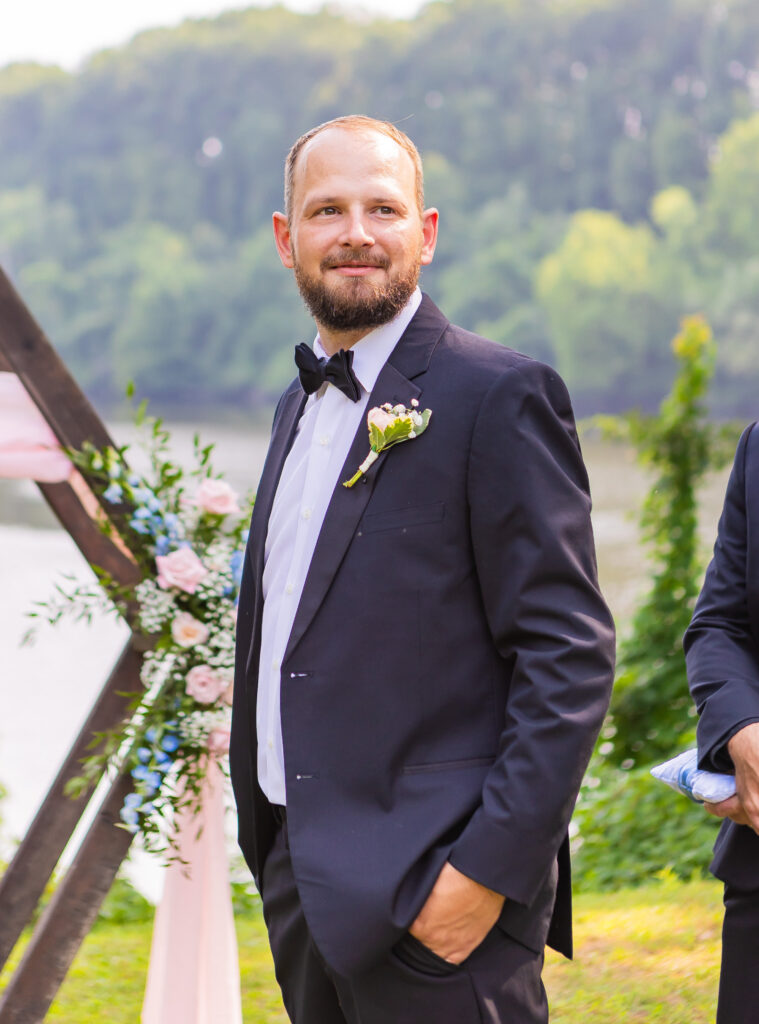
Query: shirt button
(275,665)
(270,743)
(306,513)
(289,588)
(324,441)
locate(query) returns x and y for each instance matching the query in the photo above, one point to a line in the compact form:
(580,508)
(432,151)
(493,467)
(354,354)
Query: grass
(648,954)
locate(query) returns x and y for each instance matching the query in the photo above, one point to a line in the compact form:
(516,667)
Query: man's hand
(743,808)
(457,916)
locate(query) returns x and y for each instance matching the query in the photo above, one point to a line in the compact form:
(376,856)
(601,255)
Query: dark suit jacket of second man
(722,651)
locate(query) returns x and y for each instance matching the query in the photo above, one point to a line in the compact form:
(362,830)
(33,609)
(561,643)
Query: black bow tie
(336,370)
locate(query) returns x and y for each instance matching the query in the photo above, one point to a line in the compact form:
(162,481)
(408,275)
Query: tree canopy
(594,162)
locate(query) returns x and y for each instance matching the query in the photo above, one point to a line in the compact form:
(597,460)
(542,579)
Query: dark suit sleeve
(720,648)
(535,559)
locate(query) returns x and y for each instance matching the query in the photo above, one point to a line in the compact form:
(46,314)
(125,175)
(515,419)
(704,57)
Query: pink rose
(217,497)
(218,741)
(182,569)
(380,418)
(187,630)
(204,684)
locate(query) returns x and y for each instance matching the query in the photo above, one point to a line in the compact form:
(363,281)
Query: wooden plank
(29,353)
(25,350)
(69,915)
(43,373)
(27,875)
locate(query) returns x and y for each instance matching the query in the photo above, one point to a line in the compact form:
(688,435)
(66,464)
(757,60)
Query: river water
(46,690)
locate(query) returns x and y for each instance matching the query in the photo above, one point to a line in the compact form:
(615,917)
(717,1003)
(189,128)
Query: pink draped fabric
(194,976)
(28,447)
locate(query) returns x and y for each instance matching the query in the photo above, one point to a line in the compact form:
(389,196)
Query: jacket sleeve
(535,559)
(720,648)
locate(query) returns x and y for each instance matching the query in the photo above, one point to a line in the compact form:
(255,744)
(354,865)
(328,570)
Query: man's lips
(355,269)
(354,266)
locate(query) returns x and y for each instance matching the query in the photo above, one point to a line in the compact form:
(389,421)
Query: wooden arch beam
(26,351)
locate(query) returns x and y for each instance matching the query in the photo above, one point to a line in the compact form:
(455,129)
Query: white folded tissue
(683,774)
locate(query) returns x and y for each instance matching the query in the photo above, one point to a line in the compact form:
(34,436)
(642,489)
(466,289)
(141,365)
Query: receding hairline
(357,123)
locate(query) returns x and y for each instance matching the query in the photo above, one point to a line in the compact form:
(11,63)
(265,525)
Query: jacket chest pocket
(402,518)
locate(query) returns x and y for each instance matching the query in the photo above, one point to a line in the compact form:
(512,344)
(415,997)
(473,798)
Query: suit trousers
(499,983)
(739,977)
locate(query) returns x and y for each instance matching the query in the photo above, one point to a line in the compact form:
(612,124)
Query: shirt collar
(371,353)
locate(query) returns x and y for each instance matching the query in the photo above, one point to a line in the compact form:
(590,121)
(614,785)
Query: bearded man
(424,658)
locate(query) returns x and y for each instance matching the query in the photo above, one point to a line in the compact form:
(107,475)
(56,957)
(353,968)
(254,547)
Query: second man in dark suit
(722,654)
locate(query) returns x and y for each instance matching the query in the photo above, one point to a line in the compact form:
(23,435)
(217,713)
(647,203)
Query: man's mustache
(356,259)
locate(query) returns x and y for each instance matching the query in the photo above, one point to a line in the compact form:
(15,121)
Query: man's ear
(282,239)
(430,219)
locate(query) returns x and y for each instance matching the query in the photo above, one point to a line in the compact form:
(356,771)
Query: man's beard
(357,303)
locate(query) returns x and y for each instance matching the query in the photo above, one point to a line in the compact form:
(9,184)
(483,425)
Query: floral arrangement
(390,425)
(186,533)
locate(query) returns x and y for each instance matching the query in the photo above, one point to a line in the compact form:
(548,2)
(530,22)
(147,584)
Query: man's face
(355,239)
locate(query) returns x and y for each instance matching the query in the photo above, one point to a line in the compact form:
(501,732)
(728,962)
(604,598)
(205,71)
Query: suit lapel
(409,359)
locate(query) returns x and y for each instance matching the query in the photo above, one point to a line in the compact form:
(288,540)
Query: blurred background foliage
(595,162)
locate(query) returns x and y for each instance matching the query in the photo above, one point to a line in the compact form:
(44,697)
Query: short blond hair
(354,122)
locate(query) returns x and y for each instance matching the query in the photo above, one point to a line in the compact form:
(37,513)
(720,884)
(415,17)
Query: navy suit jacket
(451,658)
(722,650)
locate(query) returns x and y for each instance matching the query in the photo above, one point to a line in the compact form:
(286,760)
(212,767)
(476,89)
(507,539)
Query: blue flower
(153,503)
(134,480)
(132,800)
(139,526)
(113,493)
(148,808)
(236,563)
(151,734)
(142,495)
(153,780)
(145,754)
(162,545)
(171,522)
(170,743)
(162,758)
(141,773)
(129,815)
(142,513)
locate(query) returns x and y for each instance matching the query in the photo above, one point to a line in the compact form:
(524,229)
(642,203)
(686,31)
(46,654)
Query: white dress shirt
(325,433)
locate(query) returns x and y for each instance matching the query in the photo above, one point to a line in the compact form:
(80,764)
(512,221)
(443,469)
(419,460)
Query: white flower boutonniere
(388,426)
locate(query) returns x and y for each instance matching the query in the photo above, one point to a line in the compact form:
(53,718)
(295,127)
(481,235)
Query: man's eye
(327,210)
(385,210)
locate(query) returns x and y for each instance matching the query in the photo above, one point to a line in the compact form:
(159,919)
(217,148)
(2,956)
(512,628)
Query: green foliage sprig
(652,713)
(631,828)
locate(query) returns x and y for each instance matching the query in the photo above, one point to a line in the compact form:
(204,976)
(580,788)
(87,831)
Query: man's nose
(357,231)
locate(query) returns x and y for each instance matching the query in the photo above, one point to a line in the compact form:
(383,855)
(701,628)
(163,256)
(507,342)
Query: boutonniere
(388,426)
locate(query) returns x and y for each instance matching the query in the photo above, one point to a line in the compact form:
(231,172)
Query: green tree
(629,826)
(732,207)
(602,298)
(677,151)
(652,714)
